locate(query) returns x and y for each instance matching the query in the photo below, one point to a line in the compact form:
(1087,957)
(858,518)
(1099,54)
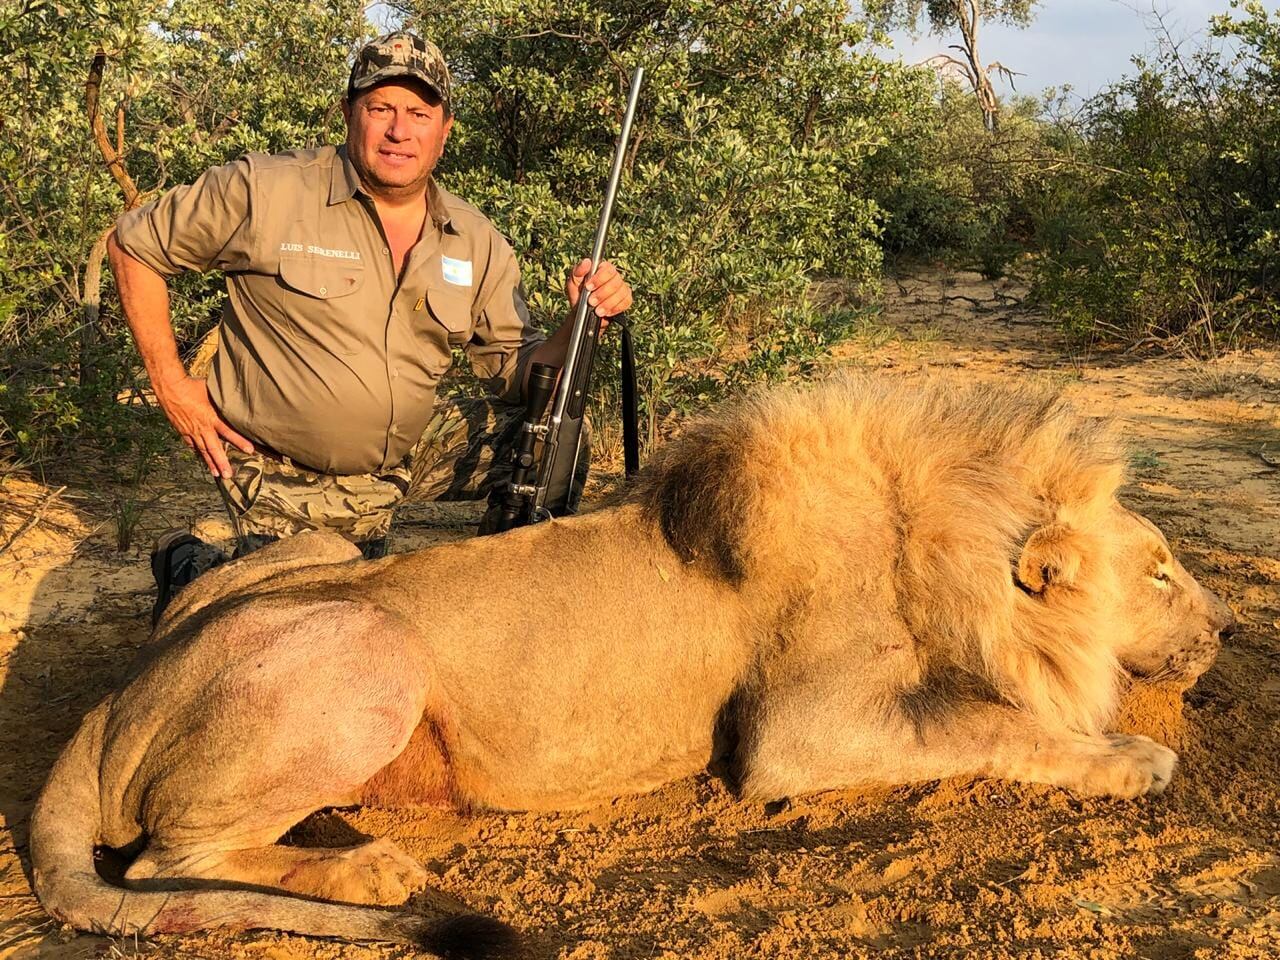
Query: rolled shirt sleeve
(504,337)
(200,226)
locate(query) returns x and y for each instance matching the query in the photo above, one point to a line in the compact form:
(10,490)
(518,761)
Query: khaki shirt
(324,354)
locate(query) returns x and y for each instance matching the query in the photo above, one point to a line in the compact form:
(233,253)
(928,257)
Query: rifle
(553,491)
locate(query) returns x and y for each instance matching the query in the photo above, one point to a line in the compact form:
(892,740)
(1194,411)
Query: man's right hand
(144,296)
(186,403)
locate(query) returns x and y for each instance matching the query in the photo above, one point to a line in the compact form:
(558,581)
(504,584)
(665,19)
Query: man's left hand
(608,293)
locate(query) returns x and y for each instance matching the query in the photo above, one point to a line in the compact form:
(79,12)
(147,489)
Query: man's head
(399,113)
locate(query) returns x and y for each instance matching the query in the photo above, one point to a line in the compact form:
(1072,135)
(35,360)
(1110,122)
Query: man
(351,276)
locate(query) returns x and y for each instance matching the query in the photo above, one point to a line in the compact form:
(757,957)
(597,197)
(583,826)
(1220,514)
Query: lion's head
(1113,581)
(1174,625)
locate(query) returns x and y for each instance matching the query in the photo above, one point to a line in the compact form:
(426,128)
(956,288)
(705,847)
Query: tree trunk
(805,133)
(969,16)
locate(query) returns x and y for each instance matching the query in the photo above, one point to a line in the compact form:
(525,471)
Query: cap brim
(396,73)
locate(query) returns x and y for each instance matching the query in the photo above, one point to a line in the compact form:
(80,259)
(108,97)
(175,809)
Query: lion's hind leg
(374,873)
(272,712)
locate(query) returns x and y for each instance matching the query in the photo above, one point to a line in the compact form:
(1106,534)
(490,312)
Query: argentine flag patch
(457,272)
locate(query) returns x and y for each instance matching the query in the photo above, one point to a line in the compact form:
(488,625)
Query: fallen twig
(34,519)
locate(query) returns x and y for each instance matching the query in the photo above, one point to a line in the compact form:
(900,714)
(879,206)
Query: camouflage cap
(401,54)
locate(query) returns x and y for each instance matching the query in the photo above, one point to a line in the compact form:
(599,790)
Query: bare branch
(944,64)
(114,158)
(91,303)
(113,154)
(1005,72)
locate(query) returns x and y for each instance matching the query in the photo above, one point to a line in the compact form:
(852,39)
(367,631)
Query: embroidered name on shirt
(319,251)
(457,272)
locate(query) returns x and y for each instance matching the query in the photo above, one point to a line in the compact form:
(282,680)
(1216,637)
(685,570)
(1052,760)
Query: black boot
(178,558)
(373,549)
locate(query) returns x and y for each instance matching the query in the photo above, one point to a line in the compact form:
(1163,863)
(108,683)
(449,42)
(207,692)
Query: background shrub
(1163,227)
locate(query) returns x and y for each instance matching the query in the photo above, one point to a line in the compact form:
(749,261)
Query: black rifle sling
(630,415)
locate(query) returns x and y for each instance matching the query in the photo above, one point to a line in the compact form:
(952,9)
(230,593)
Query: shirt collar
(344,183)
(438,206)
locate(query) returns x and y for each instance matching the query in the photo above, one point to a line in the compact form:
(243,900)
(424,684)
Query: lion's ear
(1051,555)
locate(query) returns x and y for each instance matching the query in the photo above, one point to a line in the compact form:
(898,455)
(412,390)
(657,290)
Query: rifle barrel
(583,328)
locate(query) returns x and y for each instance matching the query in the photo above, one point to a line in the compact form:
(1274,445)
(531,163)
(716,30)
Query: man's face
(395,135)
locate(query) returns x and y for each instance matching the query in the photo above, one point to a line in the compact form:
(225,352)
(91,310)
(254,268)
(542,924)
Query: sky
(1084,43)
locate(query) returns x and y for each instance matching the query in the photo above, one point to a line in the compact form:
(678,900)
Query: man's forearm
(144,296)
(552,350)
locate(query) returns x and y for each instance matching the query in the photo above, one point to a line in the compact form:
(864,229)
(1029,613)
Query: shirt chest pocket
(450,309)
(323,303)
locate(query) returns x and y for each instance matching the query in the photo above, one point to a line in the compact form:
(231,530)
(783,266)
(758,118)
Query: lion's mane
(957,503)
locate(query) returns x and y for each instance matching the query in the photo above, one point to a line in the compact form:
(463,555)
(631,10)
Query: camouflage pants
(463,454)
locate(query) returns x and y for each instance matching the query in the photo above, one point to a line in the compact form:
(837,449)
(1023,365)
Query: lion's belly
(438,768)
(582,730)
(556,746)
(572,775)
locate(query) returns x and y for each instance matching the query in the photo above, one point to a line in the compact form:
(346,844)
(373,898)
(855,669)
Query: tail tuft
(471,937)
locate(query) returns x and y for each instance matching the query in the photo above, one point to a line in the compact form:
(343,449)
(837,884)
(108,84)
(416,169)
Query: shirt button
(323,291)
(386,249)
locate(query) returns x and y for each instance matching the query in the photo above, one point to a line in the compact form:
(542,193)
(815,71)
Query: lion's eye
(1162,578)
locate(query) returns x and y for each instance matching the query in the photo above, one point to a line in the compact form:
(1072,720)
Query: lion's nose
(1221,617)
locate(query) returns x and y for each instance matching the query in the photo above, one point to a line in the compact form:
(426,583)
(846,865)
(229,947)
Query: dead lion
(869,581)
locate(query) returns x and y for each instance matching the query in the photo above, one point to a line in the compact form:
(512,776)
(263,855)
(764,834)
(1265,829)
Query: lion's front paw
(1127,766)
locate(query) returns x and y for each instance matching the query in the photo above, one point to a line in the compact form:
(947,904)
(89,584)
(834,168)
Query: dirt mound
(1155,711)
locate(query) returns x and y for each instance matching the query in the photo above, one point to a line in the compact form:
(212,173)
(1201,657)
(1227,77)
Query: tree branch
(113,154)
(113,157)
(1005,72)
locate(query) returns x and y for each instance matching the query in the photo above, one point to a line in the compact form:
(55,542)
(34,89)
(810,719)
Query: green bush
(1164,226)
(746,180)
(194,85)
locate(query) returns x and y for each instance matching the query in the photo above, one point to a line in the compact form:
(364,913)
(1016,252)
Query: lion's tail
(65,827)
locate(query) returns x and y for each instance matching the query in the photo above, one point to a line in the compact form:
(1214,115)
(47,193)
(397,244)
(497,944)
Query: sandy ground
(987,869)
